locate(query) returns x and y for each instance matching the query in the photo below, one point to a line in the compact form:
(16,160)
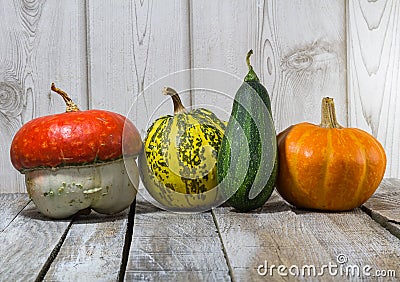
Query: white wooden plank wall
(133,44)
(374,73)
(118,56)
(220,41)
(301,57)
(41,42)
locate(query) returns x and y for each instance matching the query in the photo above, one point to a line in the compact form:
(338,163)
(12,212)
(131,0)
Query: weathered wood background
(105,53)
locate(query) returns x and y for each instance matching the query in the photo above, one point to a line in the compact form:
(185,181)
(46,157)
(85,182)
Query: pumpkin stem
(178,107)
(328,114)
(71,106)
(251,75)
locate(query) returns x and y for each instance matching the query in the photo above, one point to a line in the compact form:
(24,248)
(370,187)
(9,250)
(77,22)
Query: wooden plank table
(275,243)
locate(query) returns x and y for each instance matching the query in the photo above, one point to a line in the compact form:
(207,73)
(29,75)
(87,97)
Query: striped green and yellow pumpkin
(178,166)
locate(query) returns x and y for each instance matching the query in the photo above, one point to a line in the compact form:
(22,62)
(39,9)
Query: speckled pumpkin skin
(178,167)
(331,169)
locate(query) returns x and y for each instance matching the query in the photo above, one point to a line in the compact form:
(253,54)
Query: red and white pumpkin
(74,160)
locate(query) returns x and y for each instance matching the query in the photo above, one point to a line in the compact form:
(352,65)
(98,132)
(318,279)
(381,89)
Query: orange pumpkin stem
(178,106)
(71,106)
(328,114)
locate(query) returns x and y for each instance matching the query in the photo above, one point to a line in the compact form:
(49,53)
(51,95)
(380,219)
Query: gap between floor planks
(102,243)
(242,240)
(382,207)
(276,233)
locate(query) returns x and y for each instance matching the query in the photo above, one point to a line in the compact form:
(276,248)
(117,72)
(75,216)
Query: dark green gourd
(247,161)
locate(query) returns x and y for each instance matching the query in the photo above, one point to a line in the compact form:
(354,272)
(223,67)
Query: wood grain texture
(300,53)
(281,235)
(127,46)
(27,243)
(11,205)
(374,73)
(133,44)
(168,246)
(384,205)
(219,41)
(92,250)
(41,42)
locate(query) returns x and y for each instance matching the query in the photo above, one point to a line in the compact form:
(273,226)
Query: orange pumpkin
(326,166)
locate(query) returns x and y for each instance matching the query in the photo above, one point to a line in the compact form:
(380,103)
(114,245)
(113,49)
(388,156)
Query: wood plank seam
(347,61)
(15,216)
(191,54)
(383,221)
(88,57)
(53,253)
(230,273)
(128,241)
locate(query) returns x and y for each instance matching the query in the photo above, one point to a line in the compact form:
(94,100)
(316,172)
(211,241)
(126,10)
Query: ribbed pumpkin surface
(328,168)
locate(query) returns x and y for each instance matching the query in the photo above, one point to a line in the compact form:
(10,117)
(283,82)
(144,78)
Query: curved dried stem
(178,106)
(71,106)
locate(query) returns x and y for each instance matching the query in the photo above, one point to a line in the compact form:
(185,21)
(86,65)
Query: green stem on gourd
(71,106)
(251,75)
(178,106)
(328,114)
